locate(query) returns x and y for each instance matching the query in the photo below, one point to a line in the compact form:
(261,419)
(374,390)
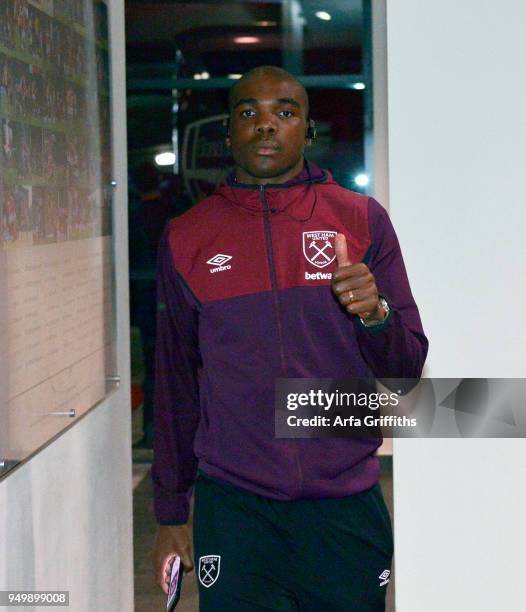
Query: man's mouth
(266,148)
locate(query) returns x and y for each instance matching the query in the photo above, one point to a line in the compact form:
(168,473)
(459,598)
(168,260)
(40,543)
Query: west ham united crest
(318,247)
(209,569)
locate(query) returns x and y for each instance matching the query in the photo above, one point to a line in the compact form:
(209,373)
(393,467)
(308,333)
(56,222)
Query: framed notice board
(57,323)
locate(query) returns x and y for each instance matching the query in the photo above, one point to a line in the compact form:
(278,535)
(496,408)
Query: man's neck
(241,176)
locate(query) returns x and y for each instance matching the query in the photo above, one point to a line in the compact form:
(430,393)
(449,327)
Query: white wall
(457,191)
(66,515)
(380,102)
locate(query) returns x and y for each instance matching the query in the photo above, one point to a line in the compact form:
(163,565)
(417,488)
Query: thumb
(342,255)
(187,560)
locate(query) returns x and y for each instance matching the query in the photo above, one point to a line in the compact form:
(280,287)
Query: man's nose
(266,125)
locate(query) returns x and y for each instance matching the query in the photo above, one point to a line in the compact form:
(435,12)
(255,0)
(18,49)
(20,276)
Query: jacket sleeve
(396,348)
(176,397)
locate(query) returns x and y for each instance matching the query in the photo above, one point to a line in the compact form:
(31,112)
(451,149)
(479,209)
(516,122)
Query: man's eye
(286,113)
(247,113)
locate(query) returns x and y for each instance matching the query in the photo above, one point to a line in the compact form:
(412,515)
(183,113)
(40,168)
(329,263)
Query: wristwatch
(383,303)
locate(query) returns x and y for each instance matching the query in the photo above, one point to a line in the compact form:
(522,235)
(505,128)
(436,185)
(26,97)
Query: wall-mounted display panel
(56,255)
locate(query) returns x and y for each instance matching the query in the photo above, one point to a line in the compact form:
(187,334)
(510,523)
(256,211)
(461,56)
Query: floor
(148,596)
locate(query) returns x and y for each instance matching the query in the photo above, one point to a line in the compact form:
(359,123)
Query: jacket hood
(297,195)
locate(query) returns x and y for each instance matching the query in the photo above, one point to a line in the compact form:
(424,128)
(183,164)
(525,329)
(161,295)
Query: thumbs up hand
(355,286)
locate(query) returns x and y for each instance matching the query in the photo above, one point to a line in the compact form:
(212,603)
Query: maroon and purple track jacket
(244,297)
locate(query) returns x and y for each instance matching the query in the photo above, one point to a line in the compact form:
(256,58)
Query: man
(245,296)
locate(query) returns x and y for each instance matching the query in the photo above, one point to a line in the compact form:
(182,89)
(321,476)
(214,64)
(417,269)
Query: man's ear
(310,134)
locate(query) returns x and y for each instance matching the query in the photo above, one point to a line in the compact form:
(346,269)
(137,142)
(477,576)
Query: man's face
(267,129)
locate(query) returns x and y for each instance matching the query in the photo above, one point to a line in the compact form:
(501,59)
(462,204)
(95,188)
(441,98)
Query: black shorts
(318,555)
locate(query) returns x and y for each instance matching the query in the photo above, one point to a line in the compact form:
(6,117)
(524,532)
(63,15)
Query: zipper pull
(271,210)
(263,198)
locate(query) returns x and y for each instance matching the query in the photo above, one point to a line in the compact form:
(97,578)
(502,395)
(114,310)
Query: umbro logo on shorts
(209,569)
(384,577)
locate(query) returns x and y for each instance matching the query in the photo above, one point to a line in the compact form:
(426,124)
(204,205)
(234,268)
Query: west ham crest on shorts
(209,569)
(318,247)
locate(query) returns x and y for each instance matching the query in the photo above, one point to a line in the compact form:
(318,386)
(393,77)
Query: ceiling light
(197,76)
(266,24)
(205,75)
(323,15)
(246,40)
(359,86)
(362,180)
(165,159)
(235,76)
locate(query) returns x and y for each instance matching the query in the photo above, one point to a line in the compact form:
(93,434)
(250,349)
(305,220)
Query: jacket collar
(310,173)
(298,195)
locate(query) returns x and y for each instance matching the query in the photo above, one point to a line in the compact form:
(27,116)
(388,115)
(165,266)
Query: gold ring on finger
(351,296)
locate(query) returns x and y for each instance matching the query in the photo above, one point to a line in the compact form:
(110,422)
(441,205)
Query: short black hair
(262,71)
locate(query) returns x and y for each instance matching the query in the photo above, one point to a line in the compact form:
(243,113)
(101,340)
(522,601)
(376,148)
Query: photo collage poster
(57,317)
(55,166)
